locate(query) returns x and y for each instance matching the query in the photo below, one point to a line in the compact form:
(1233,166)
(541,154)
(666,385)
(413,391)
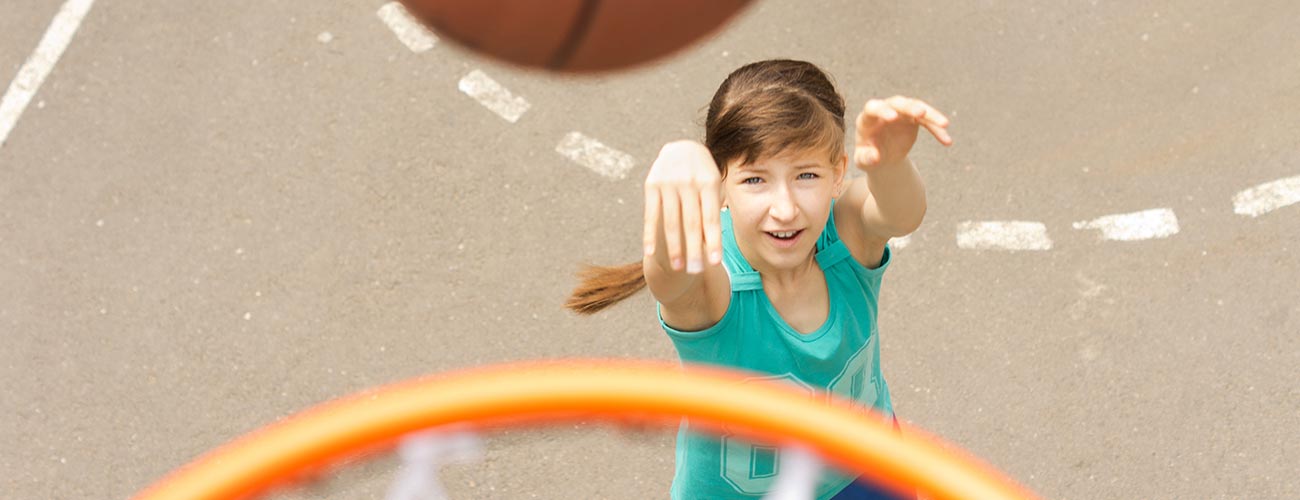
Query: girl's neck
(788,278)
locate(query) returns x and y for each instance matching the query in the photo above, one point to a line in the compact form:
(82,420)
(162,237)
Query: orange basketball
(574,35)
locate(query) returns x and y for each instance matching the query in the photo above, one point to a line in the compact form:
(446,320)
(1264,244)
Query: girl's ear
(840,170)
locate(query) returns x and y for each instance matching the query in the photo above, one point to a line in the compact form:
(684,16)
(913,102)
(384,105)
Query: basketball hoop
(569,390)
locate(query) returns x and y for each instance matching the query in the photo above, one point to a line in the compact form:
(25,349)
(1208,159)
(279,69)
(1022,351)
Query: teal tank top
(841,357)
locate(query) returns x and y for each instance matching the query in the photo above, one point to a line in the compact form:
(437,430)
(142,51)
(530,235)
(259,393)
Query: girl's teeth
(784,235)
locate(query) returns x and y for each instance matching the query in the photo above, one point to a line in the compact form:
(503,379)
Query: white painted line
(1003,235)
(38,65)
(1267,197)
(493,96)
(598,157)
(900,242)
(1144,225)
(408,30)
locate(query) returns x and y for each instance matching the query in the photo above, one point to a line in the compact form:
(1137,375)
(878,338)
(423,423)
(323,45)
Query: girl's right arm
(683,237)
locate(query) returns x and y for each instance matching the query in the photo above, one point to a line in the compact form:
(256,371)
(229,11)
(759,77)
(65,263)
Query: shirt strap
(832,254)
(744,280)
(743,277)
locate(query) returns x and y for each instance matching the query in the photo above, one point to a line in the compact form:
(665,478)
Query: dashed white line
(38,65)
(1003,235)
(1267,197)
(413,34)
(598,157)
(1144,225)
(493,96)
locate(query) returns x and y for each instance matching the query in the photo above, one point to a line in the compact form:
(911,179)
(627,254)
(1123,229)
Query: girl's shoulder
(868,250)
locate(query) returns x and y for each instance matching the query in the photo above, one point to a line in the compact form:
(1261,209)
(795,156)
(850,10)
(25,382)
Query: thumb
(866,156)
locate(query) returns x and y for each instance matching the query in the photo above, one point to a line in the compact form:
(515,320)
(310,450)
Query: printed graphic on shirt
(859,381)
(751,468)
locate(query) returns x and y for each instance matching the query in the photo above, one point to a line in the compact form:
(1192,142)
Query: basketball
(574,35)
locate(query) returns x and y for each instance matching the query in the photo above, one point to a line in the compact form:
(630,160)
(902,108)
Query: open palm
(887,129)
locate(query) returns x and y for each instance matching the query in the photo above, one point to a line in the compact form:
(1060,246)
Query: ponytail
(602,287)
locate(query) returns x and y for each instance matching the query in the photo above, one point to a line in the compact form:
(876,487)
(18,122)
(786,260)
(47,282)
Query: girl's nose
(783,207)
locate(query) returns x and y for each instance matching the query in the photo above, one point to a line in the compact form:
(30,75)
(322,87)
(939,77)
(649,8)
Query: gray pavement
(21,26)
(217,220)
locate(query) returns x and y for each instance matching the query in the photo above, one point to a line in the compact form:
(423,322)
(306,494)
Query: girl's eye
(751,180)
(807,175)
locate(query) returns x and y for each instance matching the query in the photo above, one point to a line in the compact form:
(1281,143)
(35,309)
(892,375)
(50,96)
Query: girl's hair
(761,110)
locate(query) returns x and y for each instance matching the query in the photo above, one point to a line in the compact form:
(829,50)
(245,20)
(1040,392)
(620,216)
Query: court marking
(493,96)
(978,235)
(1003,235)
(1145,225)
(412,34)
(1267,197)
(40,63)
(596,156)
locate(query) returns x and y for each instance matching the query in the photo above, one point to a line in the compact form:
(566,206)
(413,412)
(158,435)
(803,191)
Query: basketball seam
(581,26)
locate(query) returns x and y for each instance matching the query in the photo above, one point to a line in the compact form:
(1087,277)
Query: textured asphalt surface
(210,219)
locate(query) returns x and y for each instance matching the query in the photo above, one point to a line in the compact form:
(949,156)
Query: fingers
(709,209)
(877,113)
(672,222)
(866,155)
(682,195)
(874,114)
(701,232)
(912,108)
(940,133)
(933,121)
(692,230)
(652,207)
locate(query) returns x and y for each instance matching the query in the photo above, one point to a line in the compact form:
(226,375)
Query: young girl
(763,257)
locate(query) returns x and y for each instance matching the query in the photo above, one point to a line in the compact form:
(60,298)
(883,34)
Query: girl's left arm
(890,200)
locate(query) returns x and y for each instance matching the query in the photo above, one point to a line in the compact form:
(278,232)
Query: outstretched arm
(890,200)
(683,237)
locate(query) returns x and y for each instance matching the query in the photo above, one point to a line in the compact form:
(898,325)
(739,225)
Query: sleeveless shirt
(841,357)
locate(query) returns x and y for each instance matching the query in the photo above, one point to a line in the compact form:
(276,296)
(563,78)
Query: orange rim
(571,389)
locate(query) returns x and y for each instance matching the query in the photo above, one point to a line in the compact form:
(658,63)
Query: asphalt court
(224,214)
(20,28)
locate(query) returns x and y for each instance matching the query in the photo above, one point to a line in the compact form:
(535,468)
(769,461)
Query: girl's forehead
(787,159)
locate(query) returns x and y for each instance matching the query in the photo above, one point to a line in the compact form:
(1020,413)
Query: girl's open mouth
(783,239)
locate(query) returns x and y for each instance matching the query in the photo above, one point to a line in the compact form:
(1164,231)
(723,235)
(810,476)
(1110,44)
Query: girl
(762,257)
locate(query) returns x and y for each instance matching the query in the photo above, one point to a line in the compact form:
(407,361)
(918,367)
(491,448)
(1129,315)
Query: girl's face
(779,206)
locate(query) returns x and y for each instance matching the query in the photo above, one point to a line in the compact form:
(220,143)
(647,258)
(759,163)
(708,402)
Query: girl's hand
(681,204)
(887,130)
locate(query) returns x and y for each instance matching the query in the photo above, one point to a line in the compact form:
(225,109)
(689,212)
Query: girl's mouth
(784,239)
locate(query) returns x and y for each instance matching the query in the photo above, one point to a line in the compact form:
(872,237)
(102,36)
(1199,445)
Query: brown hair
(761,110)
